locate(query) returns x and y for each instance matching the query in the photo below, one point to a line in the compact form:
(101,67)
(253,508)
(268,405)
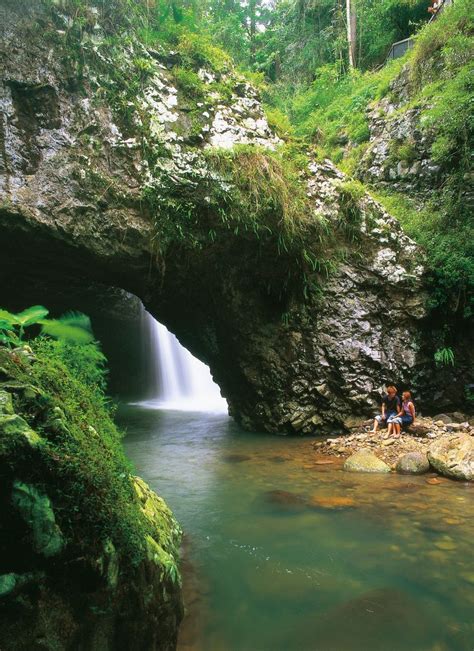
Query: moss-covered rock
(88,553)
(413,463)
(365,461)
(36,510)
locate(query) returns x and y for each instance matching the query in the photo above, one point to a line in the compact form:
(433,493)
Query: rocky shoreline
(443,443)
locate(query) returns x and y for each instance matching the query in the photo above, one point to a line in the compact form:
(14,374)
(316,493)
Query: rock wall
(399,153)
(81,158)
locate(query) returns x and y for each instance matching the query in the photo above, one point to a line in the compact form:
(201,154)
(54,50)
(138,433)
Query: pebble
(446,545)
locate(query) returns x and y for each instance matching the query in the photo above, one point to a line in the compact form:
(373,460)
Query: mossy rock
(413,463)
(14,428)
(6,403)
(37,511)
(365,461)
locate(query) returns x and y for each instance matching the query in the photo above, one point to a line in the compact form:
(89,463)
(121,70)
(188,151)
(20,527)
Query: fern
(73,327)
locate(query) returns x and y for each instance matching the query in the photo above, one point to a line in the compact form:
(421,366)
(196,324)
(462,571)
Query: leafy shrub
(189,82)
(72,326)
(279,122)
(198,50)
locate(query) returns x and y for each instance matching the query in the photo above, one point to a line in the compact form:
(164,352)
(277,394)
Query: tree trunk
(351,32)
(253,28)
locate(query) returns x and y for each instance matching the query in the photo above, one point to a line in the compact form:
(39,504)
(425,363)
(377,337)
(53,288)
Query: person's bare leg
(396,431)
(375,427)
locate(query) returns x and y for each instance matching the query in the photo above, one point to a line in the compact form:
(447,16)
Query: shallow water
(287,553)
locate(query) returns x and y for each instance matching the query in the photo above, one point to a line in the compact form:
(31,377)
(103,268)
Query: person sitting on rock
(391,405)
(404,417)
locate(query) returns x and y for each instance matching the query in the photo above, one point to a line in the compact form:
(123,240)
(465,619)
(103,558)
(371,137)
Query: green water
(272,564)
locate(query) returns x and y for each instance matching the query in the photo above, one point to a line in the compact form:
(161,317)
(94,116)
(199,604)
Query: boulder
(459,417)
(452,455)
(413,463)
(419,430)
(443,418)
(365,461)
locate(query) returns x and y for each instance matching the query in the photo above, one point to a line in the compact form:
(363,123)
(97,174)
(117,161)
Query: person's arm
(383,408)
(411,407)
(400,408)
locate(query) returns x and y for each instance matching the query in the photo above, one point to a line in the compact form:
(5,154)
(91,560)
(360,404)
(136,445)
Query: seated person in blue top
(405,415)
(391,405)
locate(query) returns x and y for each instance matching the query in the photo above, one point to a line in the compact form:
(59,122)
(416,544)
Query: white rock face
(242,123)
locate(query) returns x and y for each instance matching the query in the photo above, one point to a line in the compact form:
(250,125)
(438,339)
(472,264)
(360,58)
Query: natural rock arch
(284,363)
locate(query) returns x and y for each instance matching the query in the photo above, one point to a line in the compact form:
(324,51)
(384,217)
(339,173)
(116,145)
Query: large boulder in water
(365,461)
(413,463)
(452,455)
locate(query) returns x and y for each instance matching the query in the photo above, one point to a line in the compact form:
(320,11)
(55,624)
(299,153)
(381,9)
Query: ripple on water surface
(286,551)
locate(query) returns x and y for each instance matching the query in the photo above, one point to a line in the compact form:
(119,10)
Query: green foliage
(449,248)
(72,326)
(198,50)
(444,357)
(86,362)
(333,109)
(279,122)
(442,44)
(350,216)
(406,152)
(189,82)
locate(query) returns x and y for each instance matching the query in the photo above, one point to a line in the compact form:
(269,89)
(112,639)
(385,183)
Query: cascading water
(177,380)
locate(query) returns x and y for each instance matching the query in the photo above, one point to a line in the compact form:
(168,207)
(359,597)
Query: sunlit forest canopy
(283,39)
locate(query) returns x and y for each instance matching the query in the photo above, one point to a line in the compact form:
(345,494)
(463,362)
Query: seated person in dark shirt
(390,407)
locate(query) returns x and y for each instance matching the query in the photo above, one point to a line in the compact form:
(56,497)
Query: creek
(286,551)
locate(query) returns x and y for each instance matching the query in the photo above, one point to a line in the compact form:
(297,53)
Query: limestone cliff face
(99,180)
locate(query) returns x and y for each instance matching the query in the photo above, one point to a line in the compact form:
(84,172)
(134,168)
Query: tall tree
(351,32)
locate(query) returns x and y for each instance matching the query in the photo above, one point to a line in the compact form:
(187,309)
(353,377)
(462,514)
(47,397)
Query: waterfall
(177,379)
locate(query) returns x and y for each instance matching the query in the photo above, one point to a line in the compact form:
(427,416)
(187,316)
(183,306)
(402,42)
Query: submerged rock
(383,618)
(236,458)
(413,463)
(365,461)
(452,455)
(285,499)
(332,502)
